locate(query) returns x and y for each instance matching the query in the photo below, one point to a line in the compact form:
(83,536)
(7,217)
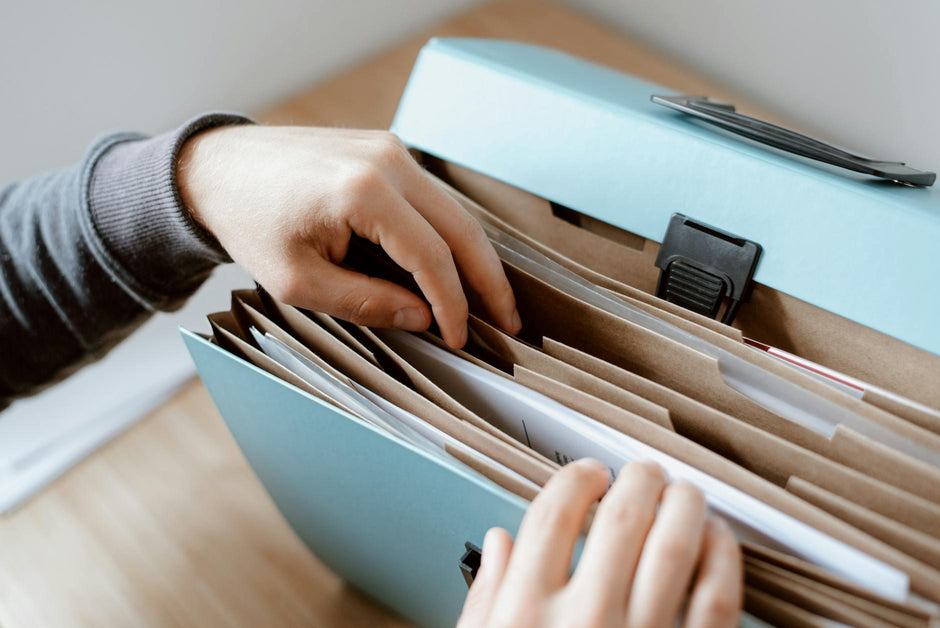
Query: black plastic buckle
(470,562)
(701,266)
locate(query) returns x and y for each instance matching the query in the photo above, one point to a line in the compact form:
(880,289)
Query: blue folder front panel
(382,515)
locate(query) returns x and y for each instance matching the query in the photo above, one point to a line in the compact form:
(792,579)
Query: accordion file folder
(575,159)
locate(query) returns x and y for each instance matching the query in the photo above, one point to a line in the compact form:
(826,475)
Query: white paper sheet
(558,432)
(780,396)
(371,407)
(840,381)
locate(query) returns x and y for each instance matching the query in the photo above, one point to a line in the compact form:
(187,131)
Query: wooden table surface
(167,525)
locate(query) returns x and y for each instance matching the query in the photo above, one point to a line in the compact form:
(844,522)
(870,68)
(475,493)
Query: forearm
(90,252)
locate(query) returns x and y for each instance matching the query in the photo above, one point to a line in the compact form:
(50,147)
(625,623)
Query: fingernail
(463,336)
(486,552)
(488,541)
(410,318)
(516,322)
(591,463)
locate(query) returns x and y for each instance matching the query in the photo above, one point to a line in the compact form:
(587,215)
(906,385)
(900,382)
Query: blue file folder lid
(589,138)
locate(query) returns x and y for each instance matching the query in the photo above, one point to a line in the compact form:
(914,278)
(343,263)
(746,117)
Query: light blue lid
(589,138)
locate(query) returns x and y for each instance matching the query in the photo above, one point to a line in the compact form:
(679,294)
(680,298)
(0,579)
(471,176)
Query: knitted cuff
(150,238)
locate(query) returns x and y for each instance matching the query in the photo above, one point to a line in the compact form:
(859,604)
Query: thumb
(497,546)
(356,298)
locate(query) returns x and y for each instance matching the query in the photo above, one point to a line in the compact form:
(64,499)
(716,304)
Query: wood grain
(167,525)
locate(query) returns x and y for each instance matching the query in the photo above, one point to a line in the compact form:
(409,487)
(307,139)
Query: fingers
(668,558)
(475,256)
(542,556)
(497,546)
(355,297)
(716,595)
(415,246)
(624,517)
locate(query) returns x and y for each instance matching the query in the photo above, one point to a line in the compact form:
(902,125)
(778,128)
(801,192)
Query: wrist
(194,167)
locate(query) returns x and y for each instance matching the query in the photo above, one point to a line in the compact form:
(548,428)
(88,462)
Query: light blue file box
(589,138)
(392,521)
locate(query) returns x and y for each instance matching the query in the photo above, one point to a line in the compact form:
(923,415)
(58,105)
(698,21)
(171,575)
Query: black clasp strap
(701,266)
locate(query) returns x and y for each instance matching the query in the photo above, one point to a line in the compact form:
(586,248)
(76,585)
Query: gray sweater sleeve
(89,252)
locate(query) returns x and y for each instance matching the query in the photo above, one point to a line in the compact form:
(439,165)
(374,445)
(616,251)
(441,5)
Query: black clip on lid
(470,562)
(701,266)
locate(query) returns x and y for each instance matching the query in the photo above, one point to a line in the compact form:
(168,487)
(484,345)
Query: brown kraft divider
(678,367)
(783,614)
(433,392)
(223,323)
(521,460)
(772,317)
(265,325)
(918,414)
(800,567)
(800,592)
(495,475)
(518,353)
(924,579)
(770,456)
(910,541)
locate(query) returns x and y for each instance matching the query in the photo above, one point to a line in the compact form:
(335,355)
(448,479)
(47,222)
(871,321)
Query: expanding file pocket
(672,312)
(816,437)
(555,376)
(475,432)
(516,351)
(767,455)
(335,347)
(845,444)
(771,317)
(795,458)
(887,522)
(690,372)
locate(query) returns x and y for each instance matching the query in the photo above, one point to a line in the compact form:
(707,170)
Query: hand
(636,566)
(284,202)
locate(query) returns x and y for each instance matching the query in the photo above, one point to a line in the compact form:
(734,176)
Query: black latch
(701,266)
(470,562)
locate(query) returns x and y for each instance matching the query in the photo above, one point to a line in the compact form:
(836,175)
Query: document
(562,434)
(778,395)
(840,381)
(362,402)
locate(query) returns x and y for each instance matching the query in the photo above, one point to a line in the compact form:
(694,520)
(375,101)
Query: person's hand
(637,565)
(284,202)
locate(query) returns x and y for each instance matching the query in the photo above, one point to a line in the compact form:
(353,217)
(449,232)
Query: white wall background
(72,69)
(860,72)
